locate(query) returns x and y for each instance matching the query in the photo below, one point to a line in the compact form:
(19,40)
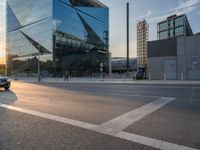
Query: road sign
(101,65)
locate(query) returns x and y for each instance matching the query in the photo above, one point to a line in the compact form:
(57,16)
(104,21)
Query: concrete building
(176,55)
(142,38)
(174,59)
(67,35)
(174,26)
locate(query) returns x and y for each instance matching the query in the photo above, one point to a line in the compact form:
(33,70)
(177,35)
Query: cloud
(184,7)
(178,12)
(2,3)
(1,28)
(148,14)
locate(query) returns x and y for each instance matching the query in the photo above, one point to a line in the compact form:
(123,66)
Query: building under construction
(142,38)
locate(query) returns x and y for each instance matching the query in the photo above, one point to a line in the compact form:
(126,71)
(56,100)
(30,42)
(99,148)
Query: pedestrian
(66,76)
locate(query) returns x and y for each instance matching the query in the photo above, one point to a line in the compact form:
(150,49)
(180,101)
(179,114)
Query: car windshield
(139,73)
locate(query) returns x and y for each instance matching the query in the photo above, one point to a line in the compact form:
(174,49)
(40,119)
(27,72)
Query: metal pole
(110,63)
(182,76)
(127,37)
(39,79)
(6,66)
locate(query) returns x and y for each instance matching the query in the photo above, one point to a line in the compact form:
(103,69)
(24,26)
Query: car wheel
(6,88)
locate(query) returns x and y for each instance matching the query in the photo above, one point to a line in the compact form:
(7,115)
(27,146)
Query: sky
(2,31)
(153,11)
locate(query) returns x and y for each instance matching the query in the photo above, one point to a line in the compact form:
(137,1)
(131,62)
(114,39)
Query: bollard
(182,76)
(164,76)
(149,76)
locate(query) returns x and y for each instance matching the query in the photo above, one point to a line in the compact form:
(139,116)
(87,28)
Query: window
(171,33)
(163,35)
(163,26)
(179,31)
(179,21)
(171,23)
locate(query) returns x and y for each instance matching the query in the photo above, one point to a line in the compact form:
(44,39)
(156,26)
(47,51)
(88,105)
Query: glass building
(174,26)
(68,35)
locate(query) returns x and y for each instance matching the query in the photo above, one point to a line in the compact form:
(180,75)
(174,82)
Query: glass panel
(171,23)
(179,21)
(76,37)
(86,32)
(163,26)
(163,35)
(85,3)
(179,31)
(30,11)
(29,27)
(171,33)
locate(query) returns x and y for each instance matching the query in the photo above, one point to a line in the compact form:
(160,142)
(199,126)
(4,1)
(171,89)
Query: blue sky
(152,10)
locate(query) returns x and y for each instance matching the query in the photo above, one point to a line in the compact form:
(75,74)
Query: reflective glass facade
(70,35)
(174,26)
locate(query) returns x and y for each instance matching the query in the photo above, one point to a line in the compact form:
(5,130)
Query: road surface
(81,116)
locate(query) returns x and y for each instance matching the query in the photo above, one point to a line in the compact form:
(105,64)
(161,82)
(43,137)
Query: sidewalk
(107,81)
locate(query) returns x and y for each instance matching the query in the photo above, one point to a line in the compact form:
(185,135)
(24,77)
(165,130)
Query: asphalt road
(80,116)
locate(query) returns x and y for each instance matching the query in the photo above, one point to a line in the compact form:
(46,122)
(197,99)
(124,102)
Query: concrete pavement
(108,81)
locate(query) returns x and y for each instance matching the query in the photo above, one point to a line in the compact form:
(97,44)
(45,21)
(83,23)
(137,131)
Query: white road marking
(144,110)
(121,94)
(120,123)
(50,117)
(151,142)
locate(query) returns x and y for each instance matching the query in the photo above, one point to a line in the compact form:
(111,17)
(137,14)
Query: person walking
(66,76)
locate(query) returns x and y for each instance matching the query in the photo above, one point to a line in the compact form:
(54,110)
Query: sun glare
(2,60)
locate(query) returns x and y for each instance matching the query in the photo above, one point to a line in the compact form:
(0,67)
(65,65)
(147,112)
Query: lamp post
(39,77)
(127,5)
(6,66)
(39,53)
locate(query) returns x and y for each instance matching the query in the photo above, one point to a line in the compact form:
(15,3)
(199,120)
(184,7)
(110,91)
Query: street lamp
(39,53)
(39,77)
(127,5)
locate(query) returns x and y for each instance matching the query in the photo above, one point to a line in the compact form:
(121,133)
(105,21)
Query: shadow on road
(186,98)
(7,97)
